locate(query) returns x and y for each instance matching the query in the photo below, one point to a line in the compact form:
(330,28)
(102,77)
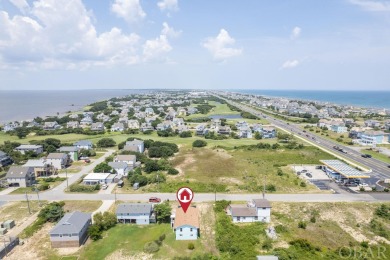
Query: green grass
(130,240)
(18,210)
(219,109)
(31,190)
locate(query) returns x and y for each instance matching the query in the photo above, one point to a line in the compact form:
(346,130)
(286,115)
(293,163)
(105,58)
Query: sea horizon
(18,105)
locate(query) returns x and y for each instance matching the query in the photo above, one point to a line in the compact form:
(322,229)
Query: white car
(363,185)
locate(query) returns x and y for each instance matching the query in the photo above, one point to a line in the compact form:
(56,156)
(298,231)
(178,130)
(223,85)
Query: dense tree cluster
(106,142)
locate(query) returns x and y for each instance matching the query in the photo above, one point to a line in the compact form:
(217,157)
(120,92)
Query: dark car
(366,155)
(388,166)
(308,174)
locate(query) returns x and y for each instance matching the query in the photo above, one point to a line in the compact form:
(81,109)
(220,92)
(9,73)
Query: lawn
(30,190)
(128,240)
(219,109)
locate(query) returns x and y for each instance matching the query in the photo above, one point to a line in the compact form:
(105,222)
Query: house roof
(344,169)
(243,211)
(191,217)
(97,176)
(35,163)
(135,142)
(262,203)
(134,208)
(83,143)
(118,165)
(132,148)
(18,171)
(56,155)
(29,146)
(71,223)
(68,149)
(126,157)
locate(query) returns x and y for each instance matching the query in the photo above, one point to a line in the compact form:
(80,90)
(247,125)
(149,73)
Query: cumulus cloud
(371,5)
(130,10)
(289,64)
(156,49)
(169,31)
(168,5)
(217,46)
(296,32)
(60,33)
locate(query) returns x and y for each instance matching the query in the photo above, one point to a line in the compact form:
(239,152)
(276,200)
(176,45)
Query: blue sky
(219,44)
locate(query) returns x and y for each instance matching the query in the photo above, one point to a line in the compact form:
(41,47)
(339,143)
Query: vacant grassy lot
(83,206)
(334,225)
(18,211)
(240,170)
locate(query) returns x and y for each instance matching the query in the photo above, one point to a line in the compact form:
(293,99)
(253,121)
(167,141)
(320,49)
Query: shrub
(302,224)
(313,219)
(267,244)
(199,143)
(162,237)
(173,171)
(43,186)
(270,187)
(303,184)
(386,190)
(280,229)
(191,246)
(185,134)
(151,247)
(106,142)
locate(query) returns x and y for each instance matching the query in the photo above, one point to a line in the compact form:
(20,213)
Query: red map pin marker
(184,195)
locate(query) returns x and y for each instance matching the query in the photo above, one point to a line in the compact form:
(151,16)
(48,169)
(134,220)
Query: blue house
(373,137)
(186,225)
(138,144)
(268,132)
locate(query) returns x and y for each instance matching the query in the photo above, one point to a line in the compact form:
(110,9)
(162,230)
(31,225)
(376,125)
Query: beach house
(186,224)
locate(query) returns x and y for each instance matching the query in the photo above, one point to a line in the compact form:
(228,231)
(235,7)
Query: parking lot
(317,174)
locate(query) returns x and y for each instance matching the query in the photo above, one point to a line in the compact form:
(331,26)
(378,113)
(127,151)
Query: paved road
(379,169)
(199,197)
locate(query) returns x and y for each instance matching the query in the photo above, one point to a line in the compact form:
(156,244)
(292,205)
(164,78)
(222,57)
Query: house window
(264,208)
(238,218)
(181,230)
(256,218)
(191,229)
(243,217)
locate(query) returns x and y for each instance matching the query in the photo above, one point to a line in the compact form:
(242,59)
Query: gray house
(4,159)
(137,213)
(71,230)
(83,144)
(20,176)
(139,144)
(29,147)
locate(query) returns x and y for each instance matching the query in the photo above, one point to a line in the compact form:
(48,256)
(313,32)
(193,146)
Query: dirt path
(18,229)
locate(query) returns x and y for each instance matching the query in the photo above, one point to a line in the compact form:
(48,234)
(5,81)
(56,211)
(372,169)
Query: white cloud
(218,46)
(372,5)
(169,31)
(22,5)
(156,48)
(130,10)
(59,33)
(289,64)
(168,5)
(296,32)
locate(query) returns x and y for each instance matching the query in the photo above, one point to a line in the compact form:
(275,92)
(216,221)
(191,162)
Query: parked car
(363,185)
(87,160)
(308,174)
(104,186)
(154,199)
(366,155)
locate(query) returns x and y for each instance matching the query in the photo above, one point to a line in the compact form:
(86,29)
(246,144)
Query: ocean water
(375,99)
(28,104)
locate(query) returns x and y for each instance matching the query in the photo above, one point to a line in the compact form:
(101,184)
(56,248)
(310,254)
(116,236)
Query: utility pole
(39,201)
(265,179)
(28,203)
(115,194)
(215,194)
(66,175)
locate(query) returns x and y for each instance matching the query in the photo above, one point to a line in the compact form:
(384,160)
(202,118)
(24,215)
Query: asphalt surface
(378,170)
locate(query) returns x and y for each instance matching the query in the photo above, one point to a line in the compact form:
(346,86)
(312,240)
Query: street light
(66,175)
(36,189)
